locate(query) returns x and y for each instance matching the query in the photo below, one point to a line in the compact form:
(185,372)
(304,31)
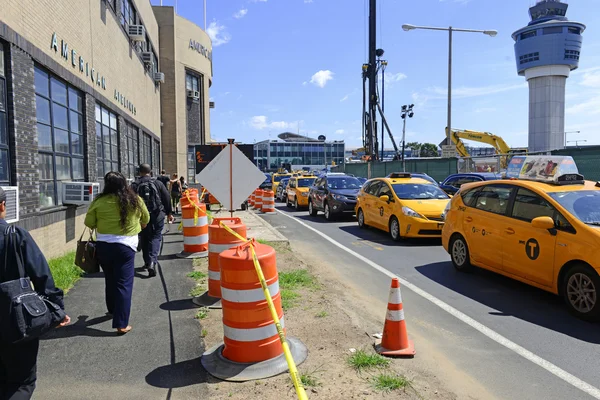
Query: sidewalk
(256,227)
(158,359)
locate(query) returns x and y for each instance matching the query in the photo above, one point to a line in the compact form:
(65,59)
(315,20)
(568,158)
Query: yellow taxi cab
(402,205)
(541,227)
(276,179)
(297,190)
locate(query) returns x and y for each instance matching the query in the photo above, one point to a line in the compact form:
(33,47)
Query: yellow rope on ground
(286,348)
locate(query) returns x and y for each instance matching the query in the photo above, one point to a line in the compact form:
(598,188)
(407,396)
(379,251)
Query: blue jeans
(150,238)
(117,262)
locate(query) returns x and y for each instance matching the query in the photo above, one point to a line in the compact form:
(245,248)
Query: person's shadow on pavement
(178,375)
(80,328)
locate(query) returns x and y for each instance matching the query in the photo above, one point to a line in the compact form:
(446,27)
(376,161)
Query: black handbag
(24,313)
(85,256)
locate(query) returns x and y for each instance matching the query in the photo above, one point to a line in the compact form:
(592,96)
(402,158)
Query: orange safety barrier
(195,228)
(251,199)
(258,199)
(395,337)
(268,202)
(220,240)
(189,196)
(250,335)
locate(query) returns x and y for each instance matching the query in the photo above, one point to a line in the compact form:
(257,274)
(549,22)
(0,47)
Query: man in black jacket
(18,362)
(158,202)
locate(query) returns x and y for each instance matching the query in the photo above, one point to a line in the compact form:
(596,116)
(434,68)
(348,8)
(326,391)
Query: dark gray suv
(334,194)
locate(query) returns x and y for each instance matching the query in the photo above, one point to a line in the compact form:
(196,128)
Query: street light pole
(449,124)
(407,112)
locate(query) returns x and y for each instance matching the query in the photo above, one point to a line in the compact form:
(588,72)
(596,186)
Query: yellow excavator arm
(484,137)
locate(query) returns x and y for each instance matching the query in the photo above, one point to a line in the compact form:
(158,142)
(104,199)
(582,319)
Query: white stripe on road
(395,315)
(495,336)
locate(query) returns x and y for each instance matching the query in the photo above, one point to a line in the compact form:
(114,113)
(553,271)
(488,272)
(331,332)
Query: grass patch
(263,241)
(197,291)
(197,275)
(388,383)
(309,381)
(202,313)
(362,360)
(64,271)
(288,298)
(322,314)
(203,333)
(297,278)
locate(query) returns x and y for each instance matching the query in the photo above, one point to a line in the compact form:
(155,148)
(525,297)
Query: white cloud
(485,110)
(259,1)
(261,122)
(344,98)
(218,33)
(590,106)
(456,1)
(320,78)
(591,78)
(462,92)
(308,1)
(339,132)
(241,14)
(304,83)
(391,78)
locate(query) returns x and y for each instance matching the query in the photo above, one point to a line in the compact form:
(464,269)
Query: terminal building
(298,151)
(546,51)
(90,87)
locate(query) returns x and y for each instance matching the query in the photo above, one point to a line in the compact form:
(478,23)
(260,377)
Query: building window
(156,158)
(4,156)
(575,31)
(112,4)
(553,30)
(572,54)
(107,141)
(145,150)
(132,160)
(528,34)
(127,13)
(192,82)
(526,58)
(59,111)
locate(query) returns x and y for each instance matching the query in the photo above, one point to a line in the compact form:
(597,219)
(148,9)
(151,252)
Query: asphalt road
(562,355)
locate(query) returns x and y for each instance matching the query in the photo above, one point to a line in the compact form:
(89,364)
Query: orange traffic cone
(395,338)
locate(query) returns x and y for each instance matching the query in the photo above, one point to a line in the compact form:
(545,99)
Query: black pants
(117,262)
(18,365)
(150,238)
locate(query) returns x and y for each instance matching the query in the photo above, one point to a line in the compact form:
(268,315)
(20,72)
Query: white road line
(495,336)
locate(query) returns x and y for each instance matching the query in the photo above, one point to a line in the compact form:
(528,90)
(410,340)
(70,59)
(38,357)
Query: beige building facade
(81,86)
(186,60)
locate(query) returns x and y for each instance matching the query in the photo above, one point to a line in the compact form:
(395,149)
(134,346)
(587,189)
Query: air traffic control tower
(546,51)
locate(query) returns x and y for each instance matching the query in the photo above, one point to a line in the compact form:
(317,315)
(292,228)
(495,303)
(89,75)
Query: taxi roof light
(558,170)
(397,175)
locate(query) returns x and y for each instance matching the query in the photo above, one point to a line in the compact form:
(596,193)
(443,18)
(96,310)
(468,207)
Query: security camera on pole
(407,111)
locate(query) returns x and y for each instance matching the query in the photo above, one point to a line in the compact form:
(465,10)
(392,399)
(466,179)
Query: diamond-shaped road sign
(231,177)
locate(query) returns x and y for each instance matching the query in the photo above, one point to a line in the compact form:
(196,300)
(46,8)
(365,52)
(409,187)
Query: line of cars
(540,225)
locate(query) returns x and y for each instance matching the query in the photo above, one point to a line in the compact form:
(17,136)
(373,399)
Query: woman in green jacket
(118,214)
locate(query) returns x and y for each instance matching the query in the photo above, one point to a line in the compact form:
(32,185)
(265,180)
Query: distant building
(298,151)
(546,51)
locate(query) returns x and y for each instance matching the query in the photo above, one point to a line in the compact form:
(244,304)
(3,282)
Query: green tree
(429,150)
(415,146)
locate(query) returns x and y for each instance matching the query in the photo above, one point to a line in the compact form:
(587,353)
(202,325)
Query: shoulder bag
(85,256)
(24,313)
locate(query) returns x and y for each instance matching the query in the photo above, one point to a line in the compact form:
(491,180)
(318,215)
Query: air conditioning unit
(193,94)
(211,104)
(137,33)
(12,203)
(79,192)
(147,57)
(159,77)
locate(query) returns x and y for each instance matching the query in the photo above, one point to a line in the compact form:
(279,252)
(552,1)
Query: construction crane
(495,141)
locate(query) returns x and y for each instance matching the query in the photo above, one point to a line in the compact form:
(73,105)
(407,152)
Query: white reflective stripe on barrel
(189,222)
(395,316)
(248,296)
(395,296)
(191,240)
(219,248)
(252,335)
(214,275)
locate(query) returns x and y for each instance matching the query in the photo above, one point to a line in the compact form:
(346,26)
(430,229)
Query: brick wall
(22,129)
(90,127)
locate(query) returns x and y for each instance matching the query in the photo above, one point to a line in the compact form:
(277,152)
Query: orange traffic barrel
(258,199)
(250,334)
(251,199)
(220,240)
(195,231)
(268,202)
(189,196)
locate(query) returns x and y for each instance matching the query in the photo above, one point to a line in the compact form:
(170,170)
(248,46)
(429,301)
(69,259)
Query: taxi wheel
(287,202)
(360,216)
(311,210)
(581,290)
(459,252)
(395,229)
(327,212)
(296,206)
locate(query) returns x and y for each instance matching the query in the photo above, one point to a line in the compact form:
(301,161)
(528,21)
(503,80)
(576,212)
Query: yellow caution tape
(286,348)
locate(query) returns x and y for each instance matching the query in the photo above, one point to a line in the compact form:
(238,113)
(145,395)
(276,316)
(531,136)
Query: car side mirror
(385,198)
(543,223)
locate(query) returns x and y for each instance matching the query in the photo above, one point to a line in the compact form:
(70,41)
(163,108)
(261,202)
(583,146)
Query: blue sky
(280,64)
